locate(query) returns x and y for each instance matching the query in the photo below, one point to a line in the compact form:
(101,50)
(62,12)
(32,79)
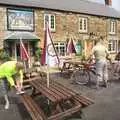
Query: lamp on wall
(93,36)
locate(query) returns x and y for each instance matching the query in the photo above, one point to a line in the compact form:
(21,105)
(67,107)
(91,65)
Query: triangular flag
(71,46)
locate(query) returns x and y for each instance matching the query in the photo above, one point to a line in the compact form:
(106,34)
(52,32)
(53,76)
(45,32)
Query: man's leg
(99,71)
(4,90)
(105,73)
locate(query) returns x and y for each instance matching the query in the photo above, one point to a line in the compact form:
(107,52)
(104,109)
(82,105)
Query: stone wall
(66,26)
(2,25)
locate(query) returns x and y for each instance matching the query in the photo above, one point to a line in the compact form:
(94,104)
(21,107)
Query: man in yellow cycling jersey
(11,72)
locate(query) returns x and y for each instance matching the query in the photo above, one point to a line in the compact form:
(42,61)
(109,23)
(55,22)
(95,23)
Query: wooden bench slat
(35,111)
(62,90)
(31,79)
(56,91)
(50,91)
(39,87)
(65,113)
(59,91)
(59,86)
(69,91)
(83,100)
(29,107)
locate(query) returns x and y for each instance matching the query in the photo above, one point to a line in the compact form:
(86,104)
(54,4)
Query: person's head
(19,66)
(98,41)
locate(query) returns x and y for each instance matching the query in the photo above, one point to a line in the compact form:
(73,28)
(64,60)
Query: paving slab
(106,107)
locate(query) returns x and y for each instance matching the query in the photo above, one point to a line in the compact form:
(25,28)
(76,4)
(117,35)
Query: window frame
(114,45)
(60,45)
(84,29)
(49,18)
(112,27)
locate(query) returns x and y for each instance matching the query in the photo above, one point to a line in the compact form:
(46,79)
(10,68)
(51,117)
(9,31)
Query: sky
(115,3)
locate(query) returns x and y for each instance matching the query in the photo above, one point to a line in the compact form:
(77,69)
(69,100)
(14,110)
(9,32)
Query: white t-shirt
(100,52)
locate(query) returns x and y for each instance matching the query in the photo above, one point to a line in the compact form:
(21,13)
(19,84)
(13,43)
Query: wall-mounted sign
(20,19)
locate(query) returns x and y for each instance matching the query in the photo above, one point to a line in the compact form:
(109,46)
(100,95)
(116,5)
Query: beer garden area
(61,100)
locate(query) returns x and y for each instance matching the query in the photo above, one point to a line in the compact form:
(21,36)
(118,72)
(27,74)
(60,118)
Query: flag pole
(21,54)
(48,72)
(48,76)
(50,54)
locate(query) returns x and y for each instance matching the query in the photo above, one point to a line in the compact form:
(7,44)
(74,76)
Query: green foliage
(4,56)
(38,53)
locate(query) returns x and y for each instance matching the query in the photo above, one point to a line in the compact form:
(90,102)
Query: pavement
(106,106)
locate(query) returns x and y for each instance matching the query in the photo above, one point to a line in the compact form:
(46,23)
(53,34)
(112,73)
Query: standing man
(11,72)
(100,54)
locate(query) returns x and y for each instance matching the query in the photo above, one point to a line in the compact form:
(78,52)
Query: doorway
(88,47)
(19,52)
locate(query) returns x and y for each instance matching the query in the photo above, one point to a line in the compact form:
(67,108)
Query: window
(51,21)
(60,48)
(112,45)
(112,27)
(83,25)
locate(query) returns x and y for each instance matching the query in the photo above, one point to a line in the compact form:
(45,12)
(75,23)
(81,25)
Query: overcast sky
(115,3)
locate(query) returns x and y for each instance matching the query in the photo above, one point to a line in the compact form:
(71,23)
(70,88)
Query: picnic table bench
(35,111)
(70,66)
(64,101)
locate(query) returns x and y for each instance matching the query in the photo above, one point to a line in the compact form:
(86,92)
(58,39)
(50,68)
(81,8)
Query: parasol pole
(47,57)
(21,54)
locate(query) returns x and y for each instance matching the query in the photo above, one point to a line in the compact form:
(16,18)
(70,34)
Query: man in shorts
(11,73)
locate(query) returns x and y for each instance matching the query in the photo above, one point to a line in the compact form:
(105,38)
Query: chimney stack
(108,2)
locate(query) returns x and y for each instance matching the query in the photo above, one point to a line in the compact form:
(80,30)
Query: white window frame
(113,44)
(112,27)
(59,45)
(84,23)
(49,21)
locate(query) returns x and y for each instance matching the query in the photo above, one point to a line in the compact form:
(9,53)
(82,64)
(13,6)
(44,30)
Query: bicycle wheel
(81,76)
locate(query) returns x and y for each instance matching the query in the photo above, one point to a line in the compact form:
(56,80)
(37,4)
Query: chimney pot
(108,2)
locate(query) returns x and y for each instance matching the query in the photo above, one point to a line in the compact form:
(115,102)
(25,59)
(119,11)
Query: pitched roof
(80,6)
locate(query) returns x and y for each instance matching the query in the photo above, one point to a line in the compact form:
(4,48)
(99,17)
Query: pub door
(88,47)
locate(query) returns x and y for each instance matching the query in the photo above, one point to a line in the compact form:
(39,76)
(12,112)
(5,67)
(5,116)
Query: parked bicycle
(82,74)
(114,70)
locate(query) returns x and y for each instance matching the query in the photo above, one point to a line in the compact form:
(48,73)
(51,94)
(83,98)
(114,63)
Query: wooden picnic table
(58,95)
(70,66)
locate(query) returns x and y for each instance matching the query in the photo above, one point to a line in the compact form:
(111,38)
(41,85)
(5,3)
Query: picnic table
(64,101)
(70,66)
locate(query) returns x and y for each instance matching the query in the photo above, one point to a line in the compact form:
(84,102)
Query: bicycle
(82,74)
(114,70)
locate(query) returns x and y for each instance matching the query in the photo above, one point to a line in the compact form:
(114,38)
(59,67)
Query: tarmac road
(106,107)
